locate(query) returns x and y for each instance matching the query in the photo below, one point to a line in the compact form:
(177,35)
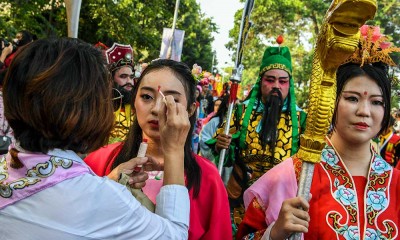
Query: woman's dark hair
(134,138)
(377,72)
(27,37)
(55,93)
(222,110)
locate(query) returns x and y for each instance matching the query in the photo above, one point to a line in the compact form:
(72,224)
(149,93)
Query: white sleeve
(171,220)
(267,233)
(90,207)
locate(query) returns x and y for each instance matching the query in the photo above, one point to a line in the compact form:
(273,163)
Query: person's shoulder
(209,172)
(99,160)
(105,150)
(213,122)
(206,165)
(211,181)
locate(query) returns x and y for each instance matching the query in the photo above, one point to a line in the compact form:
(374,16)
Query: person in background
(217,104)
(389,144)
(209,208)
(264,130)
(206,98)
(199,121)
(209,131)
(121,66)
(396,125)
(55,93)
(8,52)
(211,127)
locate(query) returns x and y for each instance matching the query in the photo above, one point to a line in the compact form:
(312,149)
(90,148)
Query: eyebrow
(272,76)
(359,94)
(169,92)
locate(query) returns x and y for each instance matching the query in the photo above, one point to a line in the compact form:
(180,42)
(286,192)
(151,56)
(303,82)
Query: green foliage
(139,23)
(299,21)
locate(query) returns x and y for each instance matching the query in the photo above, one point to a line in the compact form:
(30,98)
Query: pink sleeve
(273,188)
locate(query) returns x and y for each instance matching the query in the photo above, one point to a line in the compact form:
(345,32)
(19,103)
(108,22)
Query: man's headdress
(373,47)
(276,58)
(119,55)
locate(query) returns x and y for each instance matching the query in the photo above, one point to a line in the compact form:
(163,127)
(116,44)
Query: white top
(90,207)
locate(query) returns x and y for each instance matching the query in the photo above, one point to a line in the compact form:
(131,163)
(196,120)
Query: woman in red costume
(355,193)
(209,207)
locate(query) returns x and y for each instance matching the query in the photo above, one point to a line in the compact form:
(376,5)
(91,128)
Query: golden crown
(373,47)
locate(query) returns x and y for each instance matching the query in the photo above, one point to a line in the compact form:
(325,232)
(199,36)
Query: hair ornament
(373,47)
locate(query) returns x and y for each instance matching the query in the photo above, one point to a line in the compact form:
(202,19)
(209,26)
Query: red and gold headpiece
(119,55)
(373,47)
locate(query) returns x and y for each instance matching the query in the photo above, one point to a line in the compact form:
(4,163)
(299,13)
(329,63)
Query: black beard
(126,95)
(270,120)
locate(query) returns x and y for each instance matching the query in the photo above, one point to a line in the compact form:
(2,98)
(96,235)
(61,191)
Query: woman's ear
(192,109)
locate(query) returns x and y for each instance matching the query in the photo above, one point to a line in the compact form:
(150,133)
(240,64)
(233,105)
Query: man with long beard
(121,66)
(265,128)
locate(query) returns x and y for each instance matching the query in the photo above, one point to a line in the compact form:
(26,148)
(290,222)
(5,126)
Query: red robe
(209,212)
(342,206)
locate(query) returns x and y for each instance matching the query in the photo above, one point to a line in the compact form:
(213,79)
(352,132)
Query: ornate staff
(237,71)
(73,8)
(338,39)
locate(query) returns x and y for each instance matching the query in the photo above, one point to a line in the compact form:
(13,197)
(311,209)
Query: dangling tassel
(15,162)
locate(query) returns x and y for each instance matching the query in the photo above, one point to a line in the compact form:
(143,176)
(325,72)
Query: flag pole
(237,71)
(73,8)
(171,40)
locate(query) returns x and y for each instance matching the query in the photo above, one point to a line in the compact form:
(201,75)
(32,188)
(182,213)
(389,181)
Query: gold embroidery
(275,66)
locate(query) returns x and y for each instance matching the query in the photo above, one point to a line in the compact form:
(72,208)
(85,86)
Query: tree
(299,21)
(139,23)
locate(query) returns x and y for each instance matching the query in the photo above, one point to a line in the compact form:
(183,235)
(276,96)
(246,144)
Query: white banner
(172,48)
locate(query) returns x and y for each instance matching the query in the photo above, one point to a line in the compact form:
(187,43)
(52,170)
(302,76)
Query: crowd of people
(75,166)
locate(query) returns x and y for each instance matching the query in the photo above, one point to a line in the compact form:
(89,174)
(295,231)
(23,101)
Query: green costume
(249,158)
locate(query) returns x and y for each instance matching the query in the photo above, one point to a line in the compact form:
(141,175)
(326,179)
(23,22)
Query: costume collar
(343,191)
(38,172)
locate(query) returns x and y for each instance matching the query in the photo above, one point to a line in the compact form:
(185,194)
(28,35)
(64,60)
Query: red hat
(119,55)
